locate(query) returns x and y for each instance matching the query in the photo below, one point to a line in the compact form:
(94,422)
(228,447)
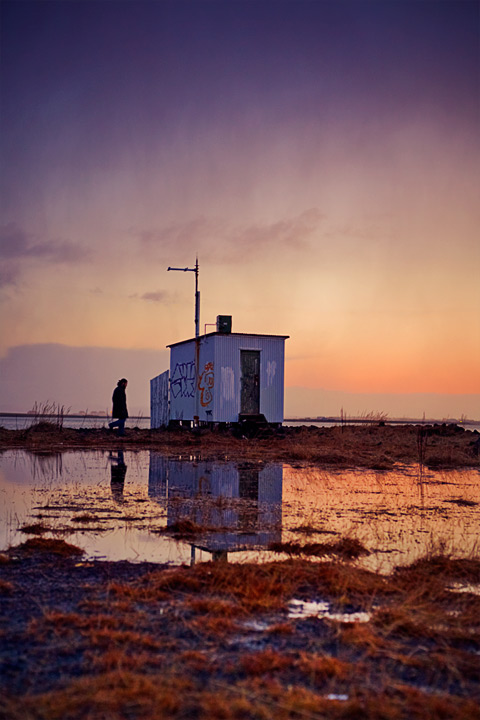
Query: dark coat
(119,400)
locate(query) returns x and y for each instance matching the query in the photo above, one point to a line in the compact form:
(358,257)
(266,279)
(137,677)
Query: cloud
(81,378)
(293,233)
(9,274)
(17,244)
(18,247)
(217,239)
(159,296)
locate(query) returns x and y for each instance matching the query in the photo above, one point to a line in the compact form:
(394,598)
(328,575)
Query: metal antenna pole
(197,301)
(197,338)
(197,294)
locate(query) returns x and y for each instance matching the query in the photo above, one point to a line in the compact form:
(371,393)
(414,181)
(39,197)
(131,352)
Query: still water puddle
(127,506)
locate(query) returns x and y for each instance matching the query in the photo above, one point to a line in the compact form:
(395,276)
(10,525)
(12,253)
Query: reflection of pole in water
(118,471)
(422,439)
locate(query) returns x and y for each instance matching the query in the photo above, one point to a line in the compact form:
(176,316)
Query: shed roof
(257,335)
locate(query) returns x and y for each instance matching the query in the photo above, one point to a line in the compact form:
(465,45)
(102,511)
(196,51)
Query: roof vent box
(224,324)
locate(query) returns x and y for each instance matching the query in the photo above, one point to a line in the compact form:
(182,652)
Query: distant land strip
(68,415)
(346,420)
(387,421)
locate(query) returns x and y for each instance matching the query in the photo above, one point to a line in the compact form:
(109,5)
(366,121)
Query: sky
(322,159)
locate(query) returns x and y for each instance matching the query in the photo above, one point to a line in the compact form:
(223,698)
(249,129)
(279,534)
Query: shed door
(250,382)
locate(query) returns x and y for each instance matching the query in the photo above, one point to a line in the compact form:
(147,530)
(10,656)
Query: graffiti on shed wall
(183,380)
(227,384)
(271,370)
(206,381)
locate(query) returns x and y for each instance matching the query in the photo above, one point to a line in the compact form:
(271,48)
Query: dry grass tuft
(212,627)
(264,662)
(114,695)
(283,628)
(86,517)
(322,668)
(68,623)
(105,637)
(214,607)
(6,588)
(183,528)
(361,635)
(35,529)
(442,567)
(48,545)
(195,660)
(346,548)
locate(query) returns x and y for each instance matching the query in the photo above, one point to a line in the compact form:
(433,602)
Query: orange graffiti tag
(206,381)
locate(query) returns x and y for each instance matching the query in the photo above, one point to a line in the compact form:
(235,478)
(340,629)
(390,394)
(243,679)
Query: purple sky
(321,157)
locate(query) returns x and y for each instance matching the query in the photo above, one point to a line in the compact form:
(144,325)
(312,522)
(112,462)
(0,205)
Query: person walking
(119,408)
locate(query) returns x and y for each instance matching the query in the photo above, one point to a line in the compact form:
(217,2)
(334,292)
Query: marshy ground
(316,635)
(218,640)
(372,446)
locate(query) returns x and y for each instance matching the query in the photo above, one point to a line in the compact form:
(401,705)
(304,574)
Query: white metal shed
(220,376)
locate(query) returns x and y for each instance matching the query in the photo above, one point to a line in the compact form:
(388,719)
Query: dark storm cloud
(17,244)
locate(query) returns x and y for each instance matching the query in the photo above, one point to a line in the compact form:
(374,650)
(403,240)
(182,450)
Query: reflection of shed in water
(221,377)
(238,504)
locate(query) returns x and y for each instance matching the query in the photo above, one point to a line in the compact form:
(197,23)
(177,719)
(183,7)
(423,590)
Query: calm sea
(20,422)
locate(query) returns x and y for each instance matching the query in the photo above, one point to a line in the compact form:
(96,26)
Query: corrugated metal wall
(188,490)
(217,397)
(228,375)
(159,391)
(182,382)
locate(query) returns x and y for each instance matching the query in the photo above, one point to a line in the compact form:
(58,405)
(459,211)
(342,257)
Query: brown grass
(85,518)
(319,669)
(6,588)
(48,545)
(374,446)
(213,607)
(35,529)
(264,662)
(174,644)
(346,548)
(443,567)
(112,695)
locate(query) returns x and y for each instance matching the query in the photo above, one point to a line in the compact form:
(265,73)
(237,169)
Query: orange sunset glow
(321,159)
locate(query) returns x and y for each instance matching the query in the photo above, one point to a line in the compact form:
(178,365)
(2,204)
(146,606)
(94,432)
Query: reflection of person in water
(118,472)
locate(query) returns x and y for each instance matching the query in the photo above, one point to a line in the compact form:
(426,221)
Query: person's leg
(121,426)
(113,424)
